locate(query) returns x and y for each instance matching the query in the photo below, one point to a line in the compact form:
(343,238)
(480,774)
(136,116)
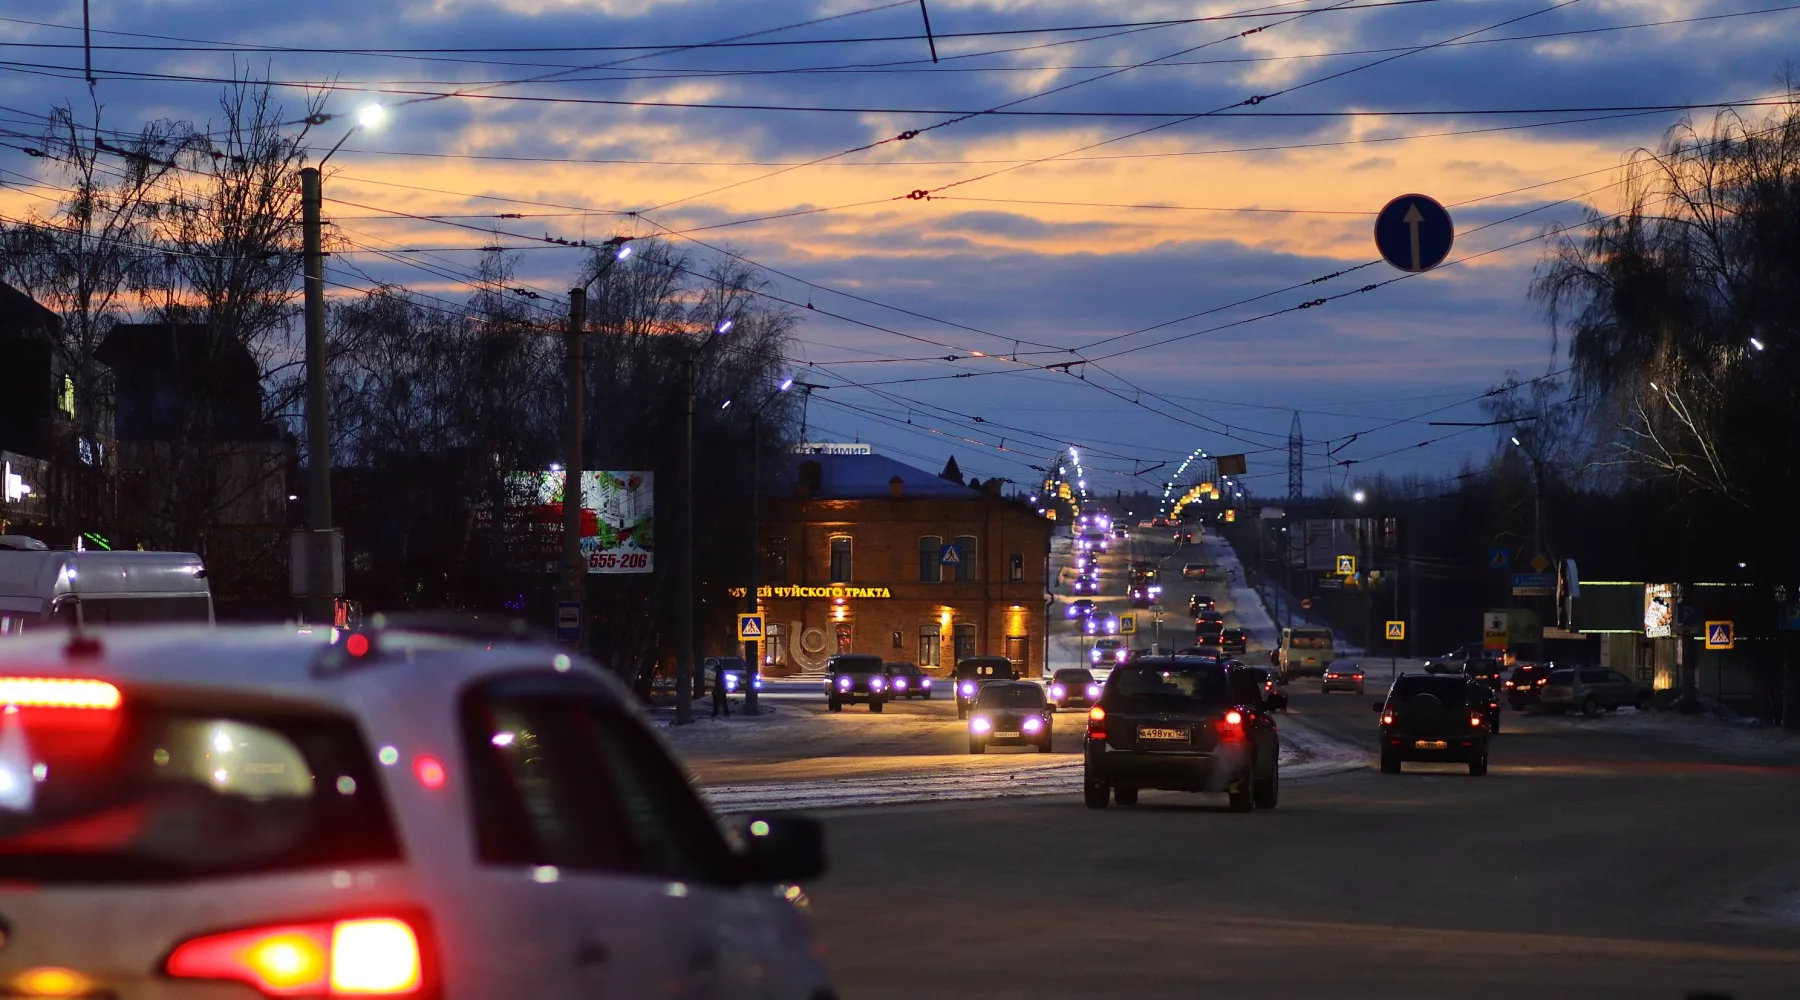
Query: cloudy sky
(1113,257)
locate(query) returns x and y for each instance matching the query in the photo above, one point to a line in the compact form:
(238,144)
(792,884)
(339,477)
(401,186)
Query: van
(41,587)
(1304,649)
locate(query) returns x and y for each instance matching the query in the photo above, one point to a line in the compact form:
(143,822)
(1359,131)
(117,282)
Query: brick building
(869,555)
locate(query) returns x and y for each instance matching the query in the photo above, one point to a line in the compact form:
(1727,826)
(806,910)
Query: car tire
(1390,762)
(1243,800)
(976,746)
(962,711)
(1478,766)
(835,705)
(1590,707)
(1267,791)
(926,696)
(877,704)
(1044,747)
(1096,796)
(1125,796)
(1643,701)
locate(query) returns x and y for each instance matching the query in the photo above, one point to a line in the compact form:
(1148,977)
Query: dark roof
(866,477)
(22,314)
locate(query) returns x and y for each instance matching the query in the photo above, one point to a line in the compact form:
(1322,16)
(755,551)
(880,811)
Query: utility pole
(573,563)
(320,551)
(685,666)
(752,648)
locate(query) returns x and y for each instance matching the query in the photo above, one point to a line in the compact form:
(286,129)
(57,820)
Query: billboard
(618,515)
(1659,609)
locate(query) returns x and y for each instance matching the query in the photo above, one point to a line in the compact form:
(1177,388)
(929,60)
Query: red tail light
(1387,717)
(365,956)
(1231,727)
(1476,720)
(1096,723)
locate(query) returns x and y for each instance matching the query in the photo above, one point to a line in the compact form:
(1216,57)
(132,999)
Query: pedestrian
(720,706)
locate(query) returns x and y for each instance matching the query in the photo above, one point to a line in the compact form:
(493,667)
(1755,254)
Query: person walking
(720,704)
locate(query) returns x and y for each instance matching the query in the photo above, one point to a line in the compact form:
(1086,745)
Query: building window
(965,641)
(65,396)
(931,639)
(775,642)
(840,559)
(931,559)
(965,569)
(774,559)
(1015,570)
(843,638)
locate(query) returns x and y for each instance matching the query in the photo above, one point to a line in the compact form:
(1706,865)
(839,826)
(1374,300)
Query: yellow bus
(1304,649)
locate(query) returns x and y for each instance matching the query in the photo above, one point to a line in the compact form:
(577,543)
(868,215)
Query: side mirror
(782,849)
(1378,706)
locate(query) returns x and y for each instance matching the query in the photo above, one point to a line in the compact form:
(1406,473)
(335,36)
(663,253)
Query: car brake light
(367,956)
(1234,718)
(58,692)
(1096,723)
(1387,717)
(1476,720)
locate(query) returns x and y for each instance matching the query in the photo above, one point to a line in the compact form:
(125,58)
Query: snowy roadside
(1740,737)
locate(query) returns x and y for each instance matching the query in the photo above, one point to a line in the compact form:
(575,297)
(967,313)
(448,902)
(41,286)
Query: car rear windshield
(1073,677)
(1449,690)
(1010,696)
(1561,677)
(856,664)
(1171,686)
(904,668)
(169,792)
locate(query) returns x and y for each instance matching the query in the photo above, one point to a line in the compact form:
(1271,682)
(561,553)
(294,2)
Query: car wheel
(1390,762)
(876,704)
(1643,701)
(1095,796)
(1478,766)
(1268,790)
(962,711)
(1590,707)
(1242,798)
(1125,796)
(835,705)
(1044,747)
(926,696)
(976,746)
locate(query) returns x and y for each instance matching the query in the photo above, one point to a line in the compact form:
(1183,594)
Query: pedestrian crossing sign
(1346,565)
(1127,624)
(750,627)
(1396,631)
(1721,635)
(951,556)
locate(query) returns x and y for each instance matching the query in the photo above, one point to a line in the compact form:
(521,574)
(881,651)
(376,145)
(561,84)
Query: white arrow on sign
(1412,220)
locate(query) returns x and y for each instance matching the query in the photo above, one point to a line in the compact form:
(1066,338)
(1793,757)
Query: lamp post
(573,561)
(686,665)
(323,555)
(753,648)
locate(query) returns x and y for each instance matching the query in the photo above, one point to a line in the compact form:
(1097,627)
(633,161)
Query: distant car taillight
(365,956)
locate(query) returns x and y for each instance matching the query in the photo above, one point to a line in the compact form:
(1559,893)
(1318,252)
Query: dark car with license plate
(1072,687)
(1434,717)
(1010,713)
(1524,687)
(1197,604)
(906,680)
(975,671)
(1342,677)
(1234,640)
(853,677)
(1180,723)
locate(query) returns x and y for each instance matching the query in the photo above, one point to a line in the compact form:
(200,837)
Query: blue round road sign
(1414,233)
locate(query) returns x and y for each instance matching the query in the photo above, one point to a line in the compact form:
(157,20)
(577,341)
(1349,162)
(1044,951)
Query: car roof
(283,661)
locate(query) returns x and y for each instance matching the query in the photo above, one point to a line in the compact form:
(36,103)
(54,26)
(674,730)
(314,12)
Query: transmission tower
(1296,462)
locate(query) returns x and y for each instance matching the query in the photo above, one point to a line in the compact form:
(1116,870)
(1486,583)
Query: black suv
(853,676)
(1526,685)
(1010,713)
(1433,717)
(974,671)
(1190,724)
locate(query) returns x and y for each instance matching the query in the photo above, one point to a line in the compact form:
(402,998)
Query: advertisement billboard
(618,515)
(1659,609)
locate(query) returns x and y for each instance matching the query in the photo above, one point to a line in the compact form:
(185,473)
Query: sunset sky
(1060,254)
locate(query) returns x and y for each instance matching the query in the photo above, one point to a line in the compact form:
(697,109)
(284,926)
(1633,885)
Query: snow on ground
(1739,737)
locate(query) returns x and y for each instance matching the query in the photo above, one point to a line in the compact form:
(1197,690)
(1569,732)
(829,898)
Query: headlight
(968,689)
(1058,691)
(899,683)
(979,725)
(925,683)
(1094,654)
(757,684)
(731,682)
(1119,657)
(1033,724)
(843,683)
(1093,690)
(875,684)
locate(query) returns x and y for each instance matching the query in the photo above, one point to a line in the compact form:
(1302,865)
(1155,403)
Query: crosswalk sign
(1346,565)
(1721,635)
(750,627)
(1499,558)
(951,556)
(1396,631)
(1127,624)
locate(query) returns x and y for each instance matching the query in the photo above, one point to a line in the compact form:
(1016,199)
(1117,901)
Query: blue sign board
(1414,233)
(1790,617)
(1534,584)
(1499,558)
(951,556)
(568,621)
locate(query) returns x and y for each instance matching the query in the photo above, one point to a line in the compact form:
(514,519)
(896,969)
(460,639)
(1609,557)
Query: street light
(1359,496)
(752,649)
(371,116)
(1756,343)
(1516,443)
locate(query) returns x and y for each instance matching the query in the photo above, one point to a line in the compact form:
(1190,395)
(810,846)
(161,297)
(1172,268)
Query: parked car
(850,677)
(973,672)
(1431,717)
(1526,683)
(1012,713)
(1591,689)
(906,680)
(1073,687)
(1342,677)
(269,812)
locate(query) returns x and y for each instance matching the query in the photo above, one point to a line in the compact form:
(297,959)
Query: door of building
(1018,650)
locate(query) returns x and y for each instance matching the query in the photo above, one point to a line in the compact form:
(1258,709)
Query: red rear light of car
(364,956)
(1475,719)
(1096,723)
(58,692)
(1387,717)
(1231,726)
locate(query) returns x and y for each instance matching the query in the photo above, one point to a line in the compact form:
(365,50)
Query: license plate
(1001,734)
(1430,745)
(1154,733)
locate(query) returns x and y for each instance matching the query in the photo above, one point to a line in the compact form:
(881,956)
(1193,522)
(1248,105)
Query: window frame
(1015,570)
(831,558)
(931,645)
(966,569)
(931,558)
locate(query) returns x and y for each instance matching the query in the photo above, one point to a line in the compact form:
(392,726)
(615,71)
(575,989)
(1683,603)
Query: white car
(251,811)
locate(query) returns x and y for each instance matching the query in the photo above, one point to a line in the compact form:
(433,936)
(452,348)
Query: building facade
(868,555)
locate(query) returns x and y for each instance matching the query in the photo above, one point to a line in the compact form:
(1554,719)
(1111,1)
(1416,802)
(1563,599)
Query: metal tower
(1296,460)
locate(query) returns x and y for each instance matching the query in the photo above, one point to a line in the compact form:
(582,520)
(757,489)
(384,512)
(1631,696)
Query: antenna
(1296,460)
